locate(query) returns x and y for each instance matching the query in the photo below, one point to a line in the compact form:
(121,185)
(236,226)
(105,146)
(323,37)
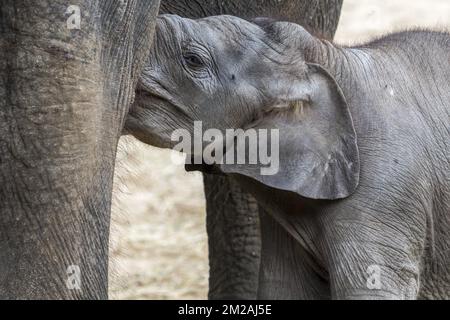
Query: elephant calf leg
(380,264)
(286,270)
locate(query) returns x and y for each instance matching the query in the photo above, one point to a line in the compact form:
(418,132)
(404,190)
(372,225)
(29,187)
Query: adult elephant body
(232,214)
(320,16)
(65,90)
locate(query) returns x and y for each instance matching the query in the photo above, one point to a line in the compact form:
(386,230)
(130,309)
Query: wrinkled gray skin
(64,95)
(319,16)
(232,214)
(363,185)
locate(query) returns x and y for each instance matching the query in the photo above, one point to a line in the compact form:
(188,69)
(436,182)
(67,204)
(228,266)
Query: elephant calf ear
(318,152)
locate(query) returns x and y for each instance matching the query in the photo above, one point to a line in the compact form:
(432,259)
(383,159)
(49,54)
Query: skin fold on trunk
(64,93)
(232,214)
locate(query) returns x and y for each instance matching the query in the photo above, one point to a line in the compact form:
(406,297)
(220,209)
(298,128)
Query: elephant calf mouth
(149,101)
(148,98)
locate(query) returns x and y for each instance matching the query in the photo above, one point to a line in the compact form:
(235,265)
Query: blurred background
(158,235)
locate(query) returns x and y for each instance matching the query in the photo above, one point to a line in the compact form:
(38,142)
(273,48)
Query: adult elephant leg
(228,206)
(233,239)
(66,81)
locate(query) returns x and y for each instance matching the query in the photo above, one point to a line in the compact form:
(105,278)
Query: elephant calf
(360,204)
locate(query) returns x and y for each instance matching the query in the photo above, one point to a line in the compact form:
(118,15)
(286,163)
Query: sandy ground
(158,242)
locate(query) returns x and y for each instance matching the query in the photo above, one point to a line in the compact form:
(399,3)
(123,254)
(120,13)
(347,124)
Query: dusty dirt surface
(158,238)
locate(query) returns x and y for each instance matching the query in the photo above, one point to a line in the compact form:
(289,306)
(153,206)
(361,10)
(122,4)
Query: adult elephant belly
(232,214)
(320,16)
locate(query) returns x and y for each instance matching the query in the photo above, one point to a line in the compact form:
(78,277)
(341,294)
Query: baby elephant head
(229,73)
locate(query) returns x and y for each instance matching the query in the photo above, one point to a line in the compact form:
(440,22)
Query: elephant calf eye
(193,60)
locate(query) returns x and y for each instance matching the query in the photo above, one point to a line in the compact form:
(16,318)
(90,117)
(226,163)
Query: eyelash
(193,60)
(200,69)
